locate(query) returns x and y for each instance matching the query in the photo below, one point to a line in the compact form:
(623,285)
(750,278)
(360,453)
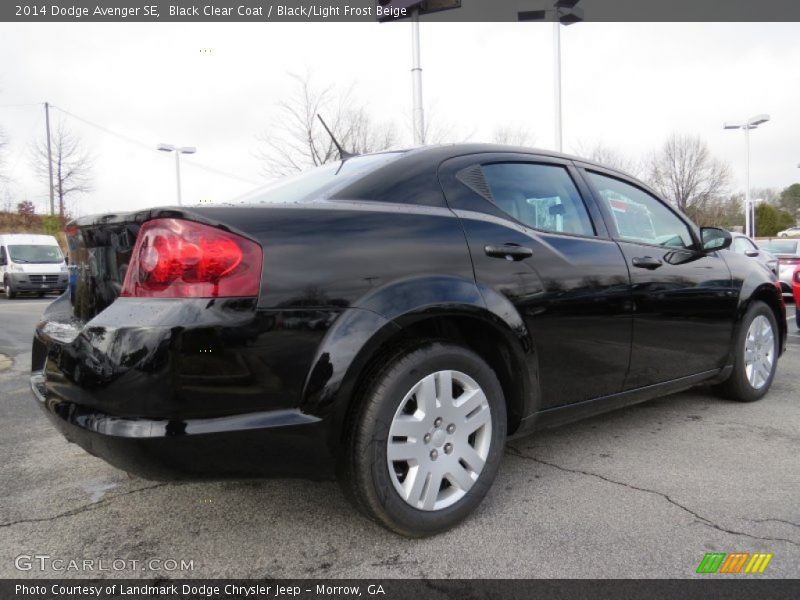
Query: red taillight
(174,258)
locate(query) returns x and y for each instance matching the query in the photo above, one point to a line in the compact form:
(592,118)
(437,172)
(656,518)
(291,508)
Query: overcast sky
(626,85)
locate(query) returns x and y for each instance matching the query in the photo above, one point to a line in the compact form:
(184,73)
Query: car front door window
(640,217)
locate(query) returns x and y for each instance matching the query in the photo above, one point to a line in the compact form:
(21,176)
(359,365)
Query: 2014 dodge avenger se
(391,319)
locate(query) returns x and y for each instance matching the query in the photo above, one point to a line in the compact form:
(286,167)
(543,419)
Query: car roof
(442,152)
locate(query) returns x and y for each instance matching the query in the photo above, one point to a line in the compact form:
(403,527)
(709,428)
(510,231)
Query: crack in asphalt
(85,508)
(704,520)
(773,520)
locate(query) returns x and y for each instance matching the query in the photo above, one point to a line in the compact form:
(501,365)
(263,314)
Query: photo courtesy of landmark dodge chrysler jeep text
(390,319)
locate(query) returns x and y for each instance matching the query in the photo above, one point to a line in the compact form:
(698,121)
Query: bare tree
(298,141)
(439,129)
(72,166)
(513,135)
(771,195)
(684,171)
(606,155)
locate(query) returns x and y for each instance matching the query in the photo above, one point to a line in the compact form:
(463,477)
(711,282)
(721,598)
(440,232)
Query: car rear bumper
(283,443)
(195,389)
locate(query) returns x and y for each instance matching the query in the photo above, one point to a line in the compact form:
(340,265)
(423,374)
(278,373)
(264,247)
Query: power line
(21,105)
(104,129)
(149,147)
(211,169)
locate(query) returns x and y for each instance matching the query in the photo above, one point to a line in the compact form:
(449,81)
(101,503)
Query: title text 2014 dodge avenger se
(391,319)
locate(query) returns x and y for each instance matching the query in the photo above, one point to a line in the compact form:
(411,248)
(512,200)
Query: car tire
(405,394)
(755,355)
(8,289)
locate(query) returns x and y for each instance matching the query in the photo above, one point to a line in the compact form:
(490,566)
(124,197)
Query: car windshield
(779,246)
(319,182)
(37,254)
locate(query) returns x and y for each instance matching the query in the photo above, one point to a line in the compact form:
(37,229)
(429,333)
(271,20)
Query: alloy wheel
(439,440)
(759,352)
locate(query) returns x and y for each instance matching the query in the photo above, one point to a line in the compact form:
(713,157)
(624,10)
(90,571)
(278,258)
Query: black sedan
(391,320)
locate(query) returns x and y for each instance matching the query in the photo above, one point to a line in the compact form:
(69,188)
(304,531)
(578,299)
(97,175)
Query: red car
(796,293)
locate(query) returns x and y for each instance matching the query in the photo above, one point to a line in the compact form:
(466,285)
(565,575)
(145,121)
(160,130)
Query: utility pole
(49,156)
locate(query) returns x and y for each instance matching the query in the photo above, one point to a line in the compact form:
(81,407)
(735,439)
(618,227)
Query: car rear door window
(541,196)
(639,216)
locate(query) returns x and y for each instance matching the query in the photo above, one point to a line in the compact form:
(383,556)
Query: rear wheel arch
(424,484)
(483,334)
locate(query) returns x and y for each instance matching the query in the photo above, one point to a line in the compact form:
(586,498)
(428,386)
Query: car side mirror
(714,238)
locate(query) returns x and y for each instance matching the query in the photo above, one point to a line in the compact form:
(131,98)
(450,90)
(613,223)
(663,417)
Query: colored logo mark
(737,562)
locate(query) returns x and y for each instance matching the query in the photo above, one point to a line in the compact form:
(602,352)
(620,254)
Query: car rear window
(320,182)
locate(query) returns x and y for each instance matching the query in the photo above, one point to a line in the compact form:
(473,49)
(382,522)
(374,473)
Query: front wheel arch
(738,386)
(769,295)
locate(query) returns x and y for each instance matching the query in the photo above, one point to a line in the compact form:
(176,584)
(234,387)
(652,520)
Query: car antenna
(343,155)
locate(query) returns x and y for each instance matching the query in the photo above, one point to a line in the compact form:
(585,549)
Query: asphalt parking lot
(640,492)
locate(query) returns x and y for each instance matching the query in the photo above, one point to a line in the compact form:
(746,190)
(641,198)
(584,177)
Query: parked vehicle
(790,232)
(453,296)
(744,245)
(796,294)
(31,263)
(788,254)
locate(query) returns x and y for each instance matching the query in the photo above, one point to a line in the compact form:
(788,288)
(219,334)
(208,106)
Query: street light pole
(557,82)
(748,218)
(751,123)
(416,80)
(391,10)
(178,151)
(178,176)
(564,12)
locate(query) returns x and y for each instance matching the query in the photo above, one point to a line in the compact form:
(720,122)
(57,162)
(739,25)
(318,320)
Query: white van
(31,263)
